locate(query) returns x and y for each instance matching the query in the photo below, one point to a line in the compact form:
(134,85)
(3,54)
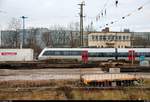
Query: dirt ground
(13,91)
(76,95)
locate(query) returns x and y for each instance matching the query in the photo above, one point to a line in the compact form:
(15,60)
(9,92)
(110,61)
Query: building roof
(110,32)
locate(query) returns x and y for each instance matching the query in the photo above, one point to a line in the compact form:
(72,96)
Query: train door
(131,55)
(85,56)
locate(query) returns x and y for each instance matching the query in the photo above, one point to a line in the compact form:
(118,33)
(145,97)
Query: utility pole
(23,31)
(81,23)
(132,47)
(0,39)
(1,11)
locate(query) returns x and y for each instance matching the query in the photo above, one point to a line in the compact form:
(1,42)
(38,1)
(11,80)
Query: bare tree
(74,34)
(8,39)
(71,39)
(15,25)
(47,39)
(139,41)
(32,41)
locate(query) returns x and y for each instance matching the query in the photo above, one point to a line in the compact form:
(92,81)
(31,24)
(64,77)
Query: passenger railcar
(76,53)
(93,53)
(123,53)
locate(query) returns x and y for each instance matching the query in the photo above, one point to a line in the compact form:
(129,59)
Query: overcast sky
(46,13)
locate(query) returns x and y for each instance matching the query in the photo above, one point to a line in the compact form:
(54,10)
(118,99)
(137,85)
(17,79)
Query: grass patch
(112,95)
(65,92)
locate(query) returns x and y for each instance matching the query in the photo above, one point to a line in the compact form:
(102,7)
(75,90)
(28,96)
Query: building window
(104,37)
(124,38)
(116,38)
(113,37)
(108,37)
(119,38)
(93,37)
(127,37)
(96,37)
(100,38)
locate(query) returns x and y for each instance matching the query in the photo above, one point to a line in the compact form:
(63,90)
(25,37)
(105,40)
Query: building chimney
(127,30)
(106,29)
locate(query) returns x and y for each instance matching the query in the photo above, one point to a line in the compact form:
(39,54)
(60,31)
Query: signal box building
(109,39)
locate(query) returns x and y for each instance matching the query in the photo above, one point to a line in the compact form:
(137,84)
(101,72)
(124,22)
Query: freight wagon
(16,54)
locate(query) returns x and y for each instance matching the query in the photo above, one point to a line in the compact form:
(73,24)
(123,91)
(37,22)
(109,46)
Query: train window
(109,54)
(123,54)
(46,53)
(70,53)
(76,53)
(146,54)
(64,53)
(91,54)
(96,54)
(57,53)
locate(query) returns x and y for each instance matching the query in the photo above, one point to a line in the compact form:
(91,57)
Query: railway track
(72,88)
(42,65)
(69,65)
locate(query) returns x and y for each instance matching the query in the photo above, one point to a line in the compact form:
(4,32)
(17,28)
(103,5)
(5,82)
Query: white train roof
(83,49)
(96,49)
(135,49)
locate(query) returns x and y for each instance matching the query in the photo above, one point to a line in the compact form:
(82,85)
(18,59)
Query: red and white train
(95,53)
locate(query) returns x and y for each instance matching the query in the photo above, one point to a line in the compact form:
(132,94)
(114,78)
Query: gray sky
(46,13)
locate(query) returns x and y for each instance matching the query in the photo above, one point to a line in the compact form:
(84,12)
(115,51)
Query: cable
(129,14)
(100,14)
(1,11)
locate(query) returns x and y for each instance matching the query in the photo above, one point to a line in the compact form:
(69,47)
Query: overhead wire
(127,15)
(101,14)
